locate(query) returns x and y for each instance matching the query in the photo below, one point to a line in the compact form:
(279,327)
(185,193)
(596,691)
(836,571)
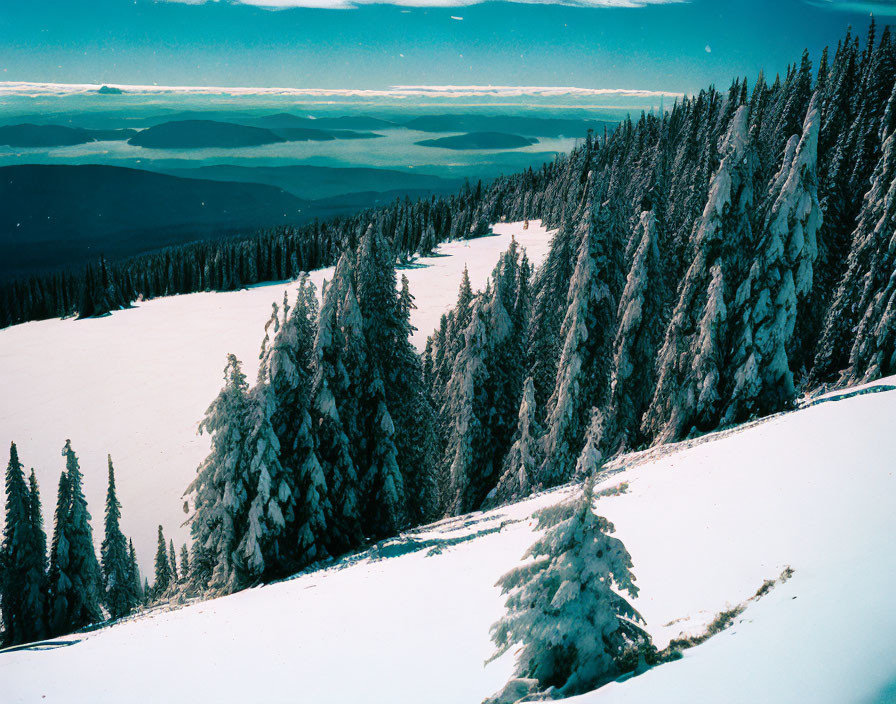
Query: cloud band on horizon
(400,91)
(349,4)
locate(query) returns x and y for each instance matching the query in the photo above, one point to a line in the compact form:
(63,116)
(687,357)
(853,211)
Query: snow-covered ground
(706,524)
(135,384)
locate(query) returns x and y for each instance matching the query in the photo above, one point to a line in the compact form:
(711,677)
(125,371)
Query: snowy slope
(706,523)
(135,384)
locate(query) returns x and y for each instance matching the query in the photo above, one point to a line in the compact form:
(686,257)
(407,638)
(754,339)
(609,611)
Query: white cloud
(348,4)
(708,49)
(408,91)
(885,8)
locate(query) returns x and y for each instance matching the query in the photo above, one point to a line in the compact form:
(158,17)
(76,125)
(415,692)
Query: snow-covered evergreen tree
(172,562)
(466,434)
(384,501)
(83,596)
(587,333)
(220,488)
(416,443)
(184,574)
(134,572)
(638,336)
(35,590)
(386,504)
(524,456)
(22,558)
(565,604)
(59,582)
(118,583)
(331,382)
(690,365)
(163,568)
(590,458)
(766,303)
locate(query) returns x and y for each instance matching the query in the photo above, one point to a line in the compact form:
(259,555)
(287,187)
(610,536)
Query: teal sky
(679,46)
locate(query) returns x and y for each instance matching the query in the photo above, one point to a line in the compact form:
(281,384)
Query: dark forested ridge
(710,264)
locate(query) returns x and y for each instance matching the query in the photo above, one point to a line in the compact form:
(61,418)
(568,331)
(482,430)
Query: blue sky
(678,46)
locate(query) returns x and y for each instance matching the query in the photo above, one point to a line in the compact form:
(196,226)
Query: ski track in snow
(136,383)
(706,525)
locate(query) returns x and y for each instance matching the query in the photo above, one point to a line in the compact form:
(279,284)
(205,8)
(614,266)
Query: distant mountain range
(204,134)
(28,135)
(480,140)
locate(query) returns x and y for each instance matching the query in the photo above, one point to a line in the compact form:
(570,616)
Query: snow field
(706,525)
(136,383)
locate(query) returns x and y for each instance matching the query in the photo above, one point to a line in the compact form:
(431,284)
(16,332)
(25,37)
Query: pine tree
(384,502)
(590,458)
(690,364)
(184,564)
(330,389)
(766,303)
(59,580)
(565,607)
(172,562)
(118,583)
(134,571)
(220,488)
(639,334)
(34,594)
(22,559)
(464,399)
(587,333)
(163,569)
(83,568)
(291,370)
(524,457)
(413,417)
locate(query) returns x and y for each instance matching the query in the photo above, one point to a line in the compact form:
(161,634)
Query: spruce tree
(59,582)
(765,309)
(22,560)
(220,488)
(464,400)
(34,595)
(638,336)
(184,564)
(691,361)
(83,568)
(163,569)
(565,606)
(118,581)
(524,457)
(583,372)
(134,572)
(330,389)
(415,443)
(172,561)
(299,501)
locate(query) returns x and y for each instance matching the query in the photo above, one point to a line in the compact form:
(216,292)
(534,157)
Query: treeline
(48,591)
(230,264)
